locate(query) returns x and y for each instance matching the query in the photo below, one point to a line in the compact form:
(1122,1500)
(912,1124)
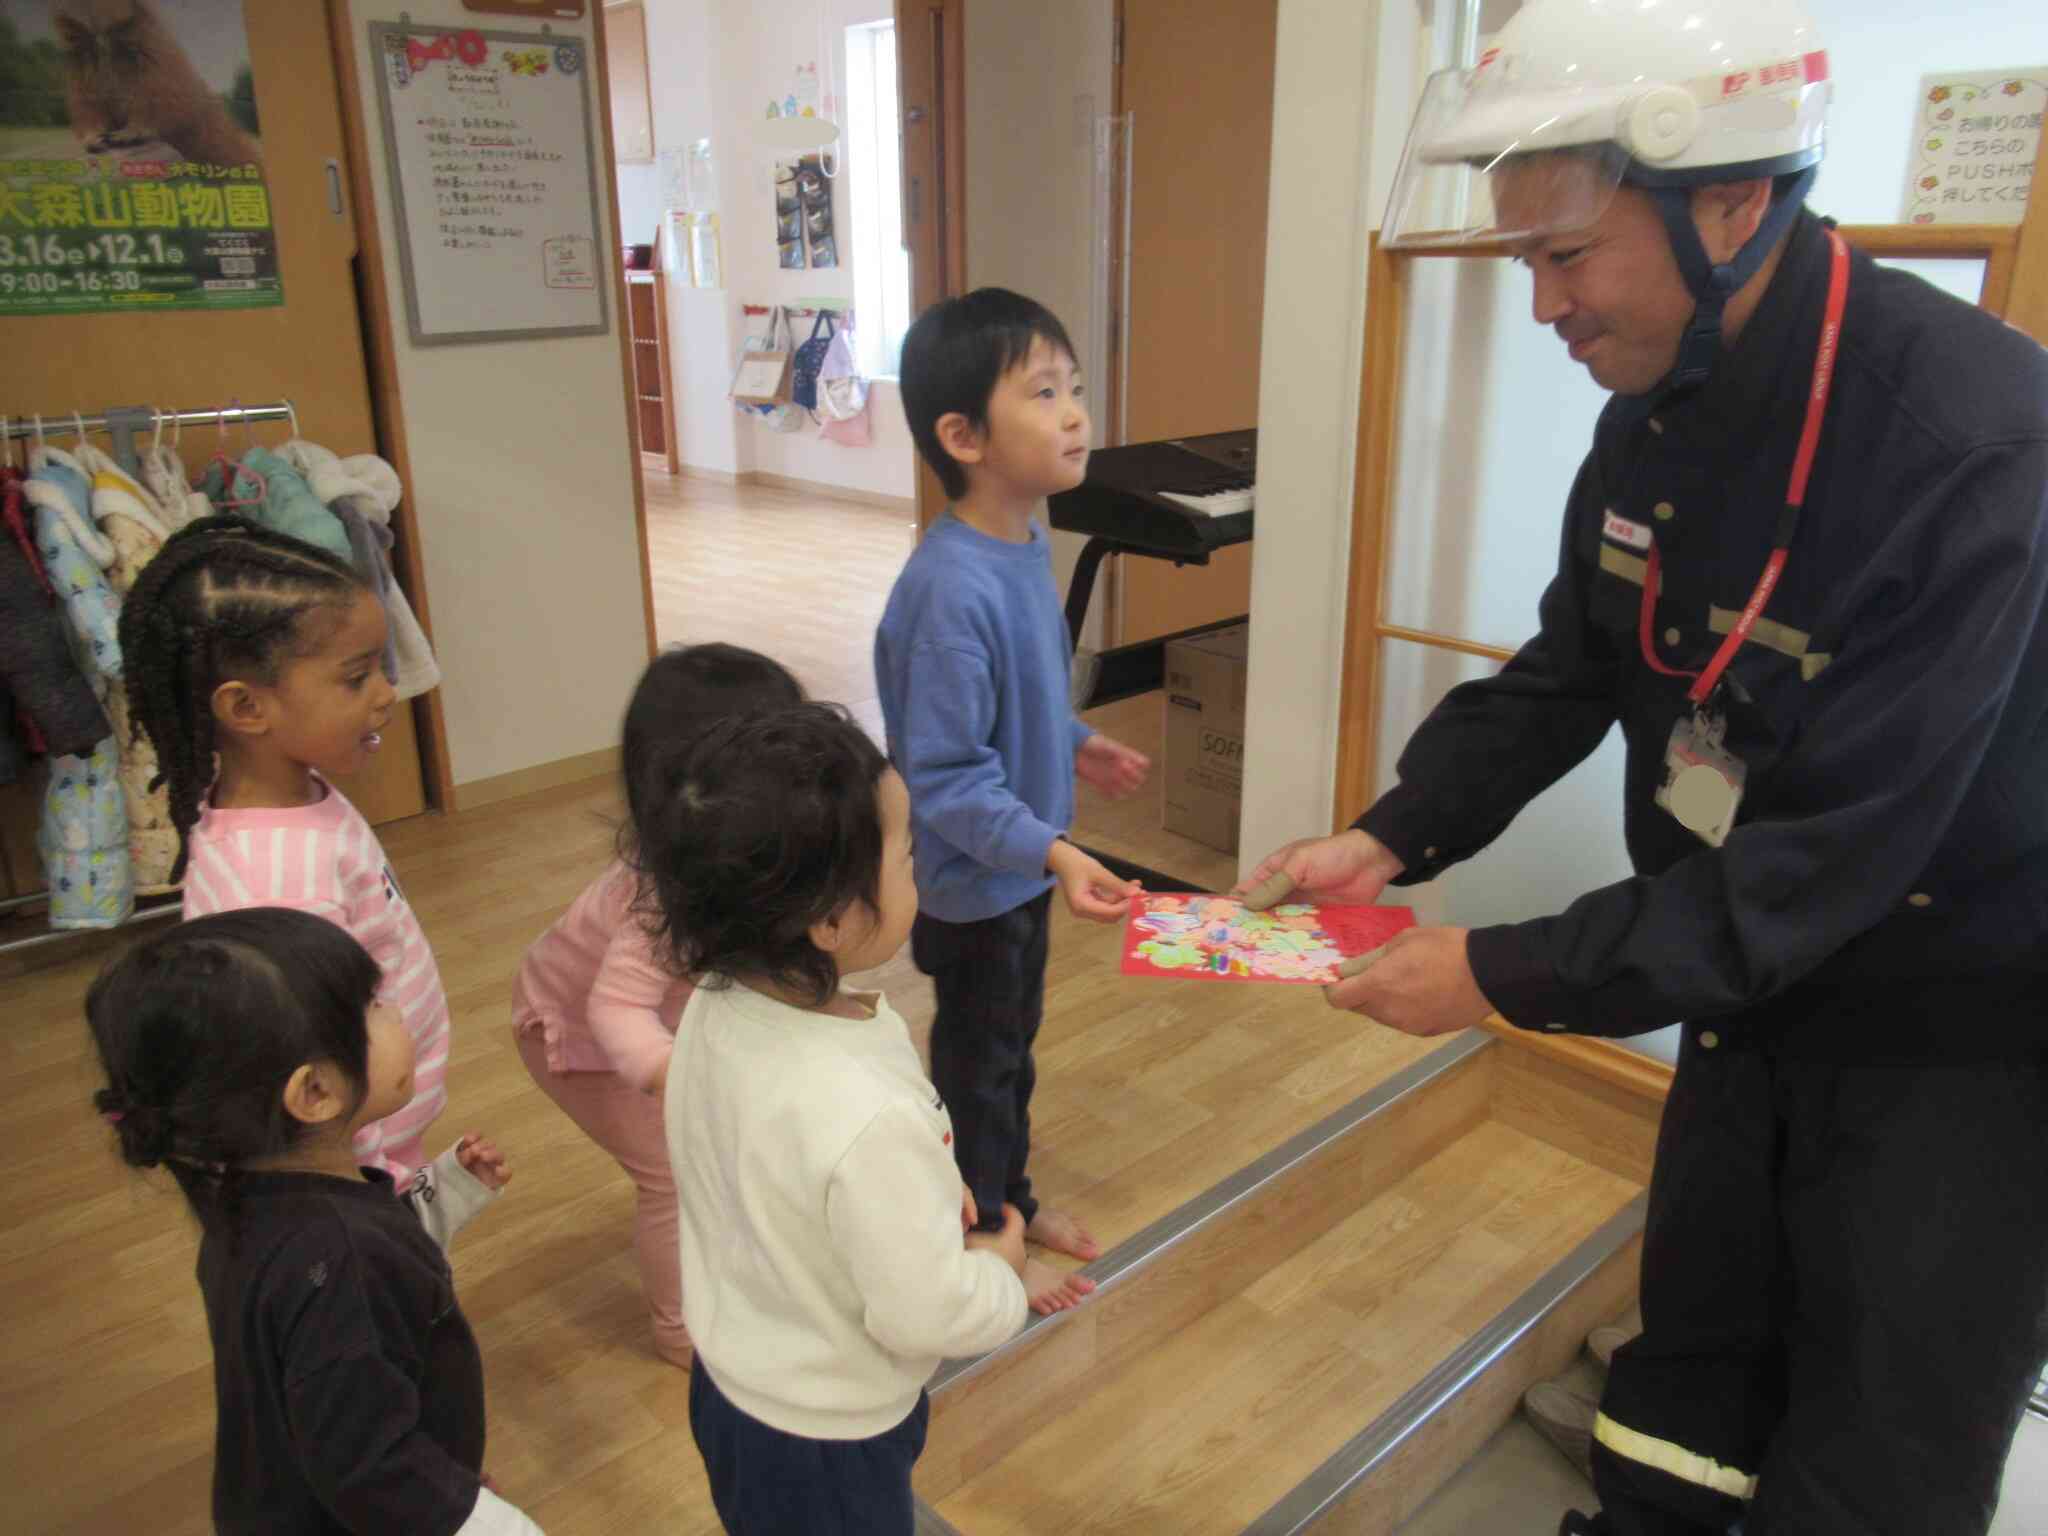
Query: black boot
(1576,1524)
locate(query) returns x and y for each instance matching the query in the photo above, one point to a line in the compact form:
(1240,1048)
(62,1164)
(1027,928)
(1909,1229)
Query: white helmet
(1654,92)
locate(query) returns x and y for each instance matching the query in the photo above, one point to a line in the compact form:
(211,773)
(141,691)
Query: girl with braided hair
(244,1050)
(254,663)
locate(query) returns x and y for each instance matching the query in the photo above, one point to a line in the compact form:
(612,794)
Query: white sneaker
(1565,1419)
(1601,1343)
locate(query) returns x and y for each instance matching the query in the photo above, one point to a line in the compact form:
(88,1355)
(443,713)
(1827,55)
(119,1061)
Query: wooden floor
(797,576)
(1148,1092)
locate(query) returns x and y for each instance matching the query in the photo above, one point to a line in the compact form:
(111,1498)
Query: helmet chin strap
(1713,286)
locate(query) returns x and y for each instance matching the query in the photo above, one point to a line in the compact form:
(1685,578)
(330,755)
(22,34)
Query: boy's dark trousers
(990,979)
(767,1483)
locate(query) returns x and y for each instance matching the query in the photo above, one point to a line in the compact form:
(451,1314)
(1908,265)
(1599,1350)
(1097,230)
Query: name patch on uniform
(1625,533)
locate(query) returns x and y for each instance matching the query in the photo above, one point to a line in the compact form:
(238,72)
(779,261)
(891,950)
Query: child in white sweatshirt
(825,1272)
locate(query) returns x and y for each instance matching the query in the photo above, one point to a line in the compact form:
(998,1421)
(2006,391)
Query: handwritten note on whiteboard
(488,144)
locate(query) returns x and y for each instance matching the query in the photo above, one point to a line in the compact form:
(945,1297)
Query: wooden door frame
(931,73)
(387,403)
(628,370)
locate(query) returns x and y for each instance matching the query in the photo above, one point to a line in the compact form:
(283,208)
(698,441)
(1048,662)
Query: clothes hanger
(231,471)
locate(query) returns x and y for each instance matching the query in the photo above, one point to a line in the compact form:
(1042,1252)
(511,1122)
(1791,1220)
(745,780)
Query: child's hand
(1091,890)
(1009,1242)
(968,1214)
(1110,766)
(482,1159)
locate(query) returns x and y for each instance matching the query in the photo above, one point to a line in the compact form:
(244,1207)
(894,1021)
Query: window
(874,158)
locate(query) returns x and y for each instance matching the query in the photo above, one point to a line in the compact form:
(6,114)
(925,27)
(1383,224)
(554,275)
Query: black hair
(223,598)
(684,691)
(954,354)
(773,824)
(200,1028)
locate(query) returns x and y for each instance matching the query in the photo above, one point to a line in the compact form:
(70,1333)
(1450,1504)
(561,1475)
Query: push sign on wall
(1975,140)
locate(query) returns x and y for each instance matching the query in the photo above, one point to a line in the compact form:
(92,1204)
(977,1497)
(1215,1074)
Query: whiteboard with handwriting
(493,175)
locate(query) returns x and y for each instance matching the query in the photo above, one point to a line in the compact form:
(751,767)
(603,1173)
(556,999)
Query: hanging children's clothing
(83,838)
(363,491)
(164,473)
(274,494)
(38,673)
(133,522)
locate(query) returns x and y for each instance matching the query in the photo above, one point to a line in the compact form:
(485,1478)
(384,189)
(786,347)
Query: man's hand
(968,1214)
(1110,766)
(1350,869)
(1420,984)
(483,1161)
(1090,889)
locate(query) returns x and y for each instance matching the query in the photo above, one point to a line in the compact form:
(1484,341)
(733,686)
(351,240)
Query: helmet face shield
(1482,163)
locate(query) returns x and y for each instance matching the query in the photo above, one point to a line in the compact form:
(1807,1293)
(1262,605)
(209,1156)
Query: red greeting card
(1214,938)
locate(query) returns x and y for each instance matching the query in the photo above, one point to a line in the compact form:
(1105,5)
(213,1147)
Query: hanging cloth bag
(842,392)
(810,357)
(763,376)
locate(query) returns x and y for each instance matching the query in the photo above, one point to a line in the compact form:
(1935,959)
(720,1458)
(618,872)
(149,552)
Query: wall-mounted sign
(1976,137)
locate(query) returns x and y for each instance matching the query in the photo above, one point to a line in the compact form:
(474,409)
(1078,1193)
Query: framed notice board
(494,178)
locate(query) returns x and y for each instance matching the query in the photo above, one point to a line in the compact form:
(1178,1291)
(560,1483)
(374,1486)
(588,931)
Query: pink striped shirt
(323,858)
(597,989)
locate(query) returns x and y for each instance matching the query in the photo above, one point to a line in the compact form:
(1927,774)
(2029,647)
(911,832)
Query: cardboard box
(1203,770)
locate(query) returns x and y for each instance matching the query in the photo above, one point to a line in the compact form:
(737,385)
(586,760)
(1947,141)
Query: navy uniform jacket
(1884,894)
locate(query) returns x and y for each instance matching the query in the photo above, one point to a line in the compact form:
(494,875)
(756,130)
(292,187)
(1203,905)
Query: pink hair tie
(112,1116)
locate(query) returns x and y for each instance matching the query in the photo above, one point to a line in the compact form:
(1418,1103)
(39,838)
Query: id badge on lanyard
(1703,780)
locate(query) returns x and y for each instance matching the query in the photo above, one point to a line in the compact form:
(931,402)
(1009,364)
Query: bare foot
(1052,1290)
(1063,1234)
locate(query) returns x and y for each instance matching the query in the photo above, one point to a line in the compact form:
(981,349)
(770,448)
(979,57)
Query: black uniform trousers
(1844,1295)
(990,980)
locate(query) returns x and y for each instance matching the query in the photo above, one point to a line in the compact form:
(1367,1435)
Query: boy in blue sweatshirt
(973,663)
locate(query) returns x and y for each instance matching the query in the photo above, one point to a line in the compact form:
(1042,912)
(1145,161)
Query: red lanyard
(1795,496)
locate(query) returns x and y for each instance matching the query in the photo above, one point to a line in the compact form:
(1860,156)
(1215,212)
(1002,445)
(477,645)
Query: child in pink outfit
(256,672)
(595,1007)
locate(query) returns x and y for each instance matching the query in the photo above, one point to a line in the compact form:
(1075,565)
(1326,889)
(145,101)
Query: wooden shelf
(647,327)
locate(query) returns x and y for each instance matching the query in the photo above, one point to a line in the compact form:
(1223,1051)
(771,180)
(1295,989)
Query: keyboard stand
(1126,671)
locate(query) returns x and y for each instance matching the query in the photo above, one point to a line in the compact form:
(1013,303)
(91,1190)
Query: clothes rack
(123,424)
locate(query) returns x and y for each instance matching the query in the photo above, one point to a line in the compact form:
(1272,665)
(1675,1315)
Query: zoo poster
(131,159)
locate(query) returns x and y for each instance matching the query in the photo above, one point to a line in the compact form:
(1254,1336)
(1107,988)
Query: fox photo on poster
(131,159)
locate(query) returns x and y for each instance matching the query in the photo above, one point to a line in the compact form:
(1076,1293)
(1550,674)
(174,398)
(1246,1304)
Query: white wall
(1031,194)
(639,190)
(714,65)
(523,494)
(1495,419)
(1327,119)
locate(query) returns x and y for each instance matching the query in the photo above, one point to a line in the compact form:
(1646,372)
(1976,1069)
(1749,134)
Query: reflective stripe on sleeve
(1668,1456)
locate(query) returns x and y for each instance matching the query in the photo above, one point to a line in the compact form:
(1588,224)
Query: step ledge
(1152,1243)
(1324,1489)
